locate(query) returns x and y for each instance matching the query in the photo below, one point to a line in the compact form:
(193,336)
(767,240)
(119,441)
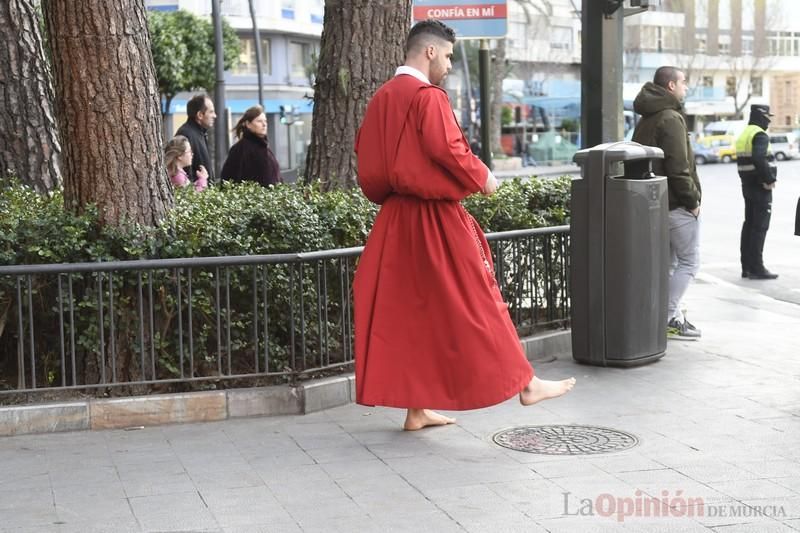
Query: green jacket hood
(653,99)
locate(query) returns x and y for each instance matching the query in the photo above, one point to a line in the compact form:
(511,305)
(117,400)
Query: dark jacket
(250,159)
(797,219)
(198,139)
(663,125)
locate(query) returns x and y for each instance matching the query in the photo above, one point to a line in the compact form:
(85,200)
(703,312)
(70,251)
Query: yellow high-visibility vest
(744,148)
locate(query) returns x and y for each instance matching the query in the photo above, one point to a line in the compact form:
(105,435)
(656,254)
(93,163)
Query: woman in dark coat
(251,159)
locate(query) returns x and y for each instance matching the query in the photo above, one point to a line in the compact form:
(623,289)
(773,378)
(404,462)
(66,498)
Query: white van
(783,146)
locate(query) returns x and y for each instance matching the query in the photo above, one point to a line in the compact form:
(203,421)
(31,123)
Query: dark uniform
(758,176)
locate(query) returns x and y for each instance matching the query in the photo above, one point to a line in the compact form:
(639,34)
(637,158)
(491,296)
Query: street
(722,214)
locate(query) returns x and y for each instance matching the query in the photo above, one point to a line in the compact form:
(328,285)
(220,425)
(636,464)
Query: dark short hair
(196,104)
(425,31)
(666,74)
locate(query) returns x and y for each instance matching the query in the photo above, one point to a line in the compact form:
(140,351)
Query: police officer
(758,177)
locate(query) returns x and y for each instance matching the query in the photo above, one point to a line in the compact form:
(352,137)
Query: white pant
(684,247)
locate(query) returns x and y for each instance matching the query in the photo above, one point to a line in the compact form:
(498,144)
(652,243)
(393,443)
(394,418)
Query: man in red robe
(431,328)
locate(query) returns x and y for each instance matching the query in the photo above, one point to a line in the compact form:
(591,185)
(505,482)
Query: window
(724,45)
(673,6)
(772,44)
(561,38)
(247,58)
(748,16)
(700,43)
(747,45)
(671,39)
(287,9)
(516,35)
(756,86)
(730,86)
(724,14)
(787,92)
(708,81)
(701,15)
(534,88)
(793,44)
(650,38)
(662,39)
(317,11)
(299,59)
(784,43)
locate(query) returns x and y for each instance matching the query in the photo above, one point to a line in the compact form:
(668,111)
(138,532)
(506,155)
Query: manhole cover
(565,440)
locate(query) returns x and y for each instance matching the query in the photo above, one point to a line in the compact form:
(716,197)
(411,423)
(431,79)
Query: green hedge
(231,220)
(522,204)
(240,220)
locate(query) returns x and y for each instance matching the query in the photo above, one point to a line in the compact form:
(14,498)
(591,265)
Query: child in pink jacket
(178,155)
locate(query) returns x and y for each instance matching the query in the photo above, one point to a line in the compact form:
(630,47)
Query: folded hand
(491,185)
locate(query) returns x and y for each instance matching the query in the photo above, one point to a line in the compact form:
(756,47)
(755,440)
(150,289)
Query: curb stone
(206,406)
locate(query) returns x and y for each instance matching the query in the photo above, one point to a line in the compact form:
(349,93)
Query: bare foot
(420,418)
(539,389)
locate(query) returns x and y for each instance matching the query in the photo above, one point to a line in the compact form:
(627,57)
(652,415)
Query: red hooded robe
(431,328)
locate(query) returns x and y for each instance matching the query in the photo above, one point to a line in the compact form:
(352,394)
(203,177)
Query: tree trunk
(362,45)
(108,109)
(29,141)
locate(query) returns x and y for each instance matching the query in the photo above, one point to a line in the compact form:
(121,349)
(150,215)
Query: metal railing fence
(193,323)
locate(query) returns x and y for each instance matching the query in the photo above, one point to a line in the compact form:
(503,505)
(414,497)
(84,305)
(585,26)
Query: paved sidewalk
(717,420)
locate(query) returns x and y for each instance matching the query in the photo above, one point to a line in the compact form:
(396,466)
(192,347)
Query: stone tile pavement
(718,423)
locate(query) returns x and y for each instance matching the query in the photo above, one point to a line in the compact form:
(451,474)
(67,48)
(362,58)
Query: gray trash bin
(619,256)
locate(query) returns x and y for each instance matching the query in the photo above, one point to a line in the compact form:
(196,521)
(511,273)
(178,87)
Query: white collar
(411,71)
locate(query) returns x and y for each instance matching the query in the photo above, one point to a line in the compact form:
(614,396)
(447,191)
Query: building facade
(544,46)
(289,31)
(735,53)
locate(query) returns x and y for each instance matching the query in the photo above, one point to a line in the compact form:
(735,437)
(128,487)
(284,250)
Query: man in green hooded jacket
(660,103)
